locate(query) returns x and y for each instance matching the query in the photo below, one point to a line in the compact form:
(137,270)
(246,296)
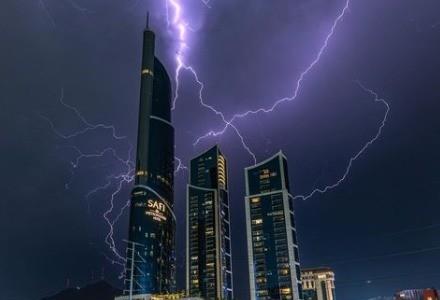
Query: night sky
(379,230)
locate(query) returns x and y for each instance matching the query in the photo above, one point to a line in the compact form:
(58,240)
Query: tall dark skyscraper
(150,251)
(273,257)
(208,260)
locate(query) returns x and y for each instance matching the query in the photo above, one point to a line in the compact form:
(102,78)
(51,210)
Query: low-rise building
(181,295)
(318,284)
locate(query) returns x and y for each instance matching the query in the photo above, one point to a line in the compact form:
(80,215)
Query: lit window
(257,221)
(285,291)
(284,271)
(147,71)
(255,200)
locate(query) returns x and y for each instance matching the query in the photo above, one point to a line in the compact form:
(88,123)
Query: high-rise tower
(208,256)
(274,270)
(150,251)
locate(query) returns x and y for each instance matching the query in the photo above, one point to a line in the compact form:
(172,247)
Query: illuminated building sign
(156,209)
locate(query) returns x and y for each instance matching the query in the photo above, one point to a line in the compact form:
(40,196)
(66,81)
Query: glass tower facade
(208,256)
(273,257)
(150,251)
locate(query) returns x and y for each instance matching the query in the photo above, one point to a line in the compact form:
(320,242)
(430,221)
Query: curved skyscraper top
(150,251)
(273,256)
(208,256)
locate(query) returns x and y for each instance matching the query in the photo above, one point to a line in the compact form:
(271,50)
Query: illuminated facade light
(318,284)
(208,228)
(255,200)
(147,72)
(273,259)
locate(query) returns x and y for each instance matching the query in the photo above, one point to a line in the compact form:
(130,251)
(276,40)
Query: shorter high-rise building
(208,258)
(318,284)
(273,257)
(418,294)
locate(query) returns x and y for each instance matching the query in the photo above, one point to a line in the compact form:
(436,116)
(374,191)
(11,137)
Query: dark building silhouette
(98,290)
(208,261)
(273,257)
(150,251)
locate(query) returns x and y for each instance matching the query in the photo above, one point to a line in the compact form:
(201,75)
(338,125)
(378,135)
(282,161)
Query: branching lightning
(298,84)
(180,166)
(181,25)
(87,125)
(43,6)
(114,182)
(359,153)
(72,3)
(79,8)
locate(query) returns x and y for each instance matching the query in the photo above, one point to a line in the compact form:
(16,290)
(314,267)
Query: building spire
(148,20)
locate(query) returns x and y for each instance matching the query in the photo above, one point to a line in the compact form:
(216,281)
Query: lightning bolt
(180,166)
(79,8)
(87,125)
(298,83)
(72,3)
(114,182)
(43,6)
(359,153)
(181,26)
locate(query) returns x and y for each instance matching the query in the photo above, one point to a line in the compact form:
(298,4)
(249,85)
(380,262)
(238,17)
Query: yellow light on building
(147,72)
(172,296)
(255,200)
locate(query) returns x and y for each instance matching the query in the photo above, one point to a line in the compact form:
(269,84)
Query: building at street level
(318,284)
(208,258)
(418,294)
(150,251)
(273,257)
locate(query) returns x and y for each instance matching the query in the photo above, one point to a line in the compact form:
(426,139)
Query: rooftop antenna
(148,20)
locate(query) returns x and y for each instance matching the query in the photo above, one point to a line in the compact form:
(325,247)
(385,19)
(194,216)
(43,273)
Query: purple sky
(379,230)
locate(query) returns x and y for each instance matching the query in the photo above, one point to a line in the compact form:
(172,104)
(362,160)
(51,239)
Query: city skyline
(362,132)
